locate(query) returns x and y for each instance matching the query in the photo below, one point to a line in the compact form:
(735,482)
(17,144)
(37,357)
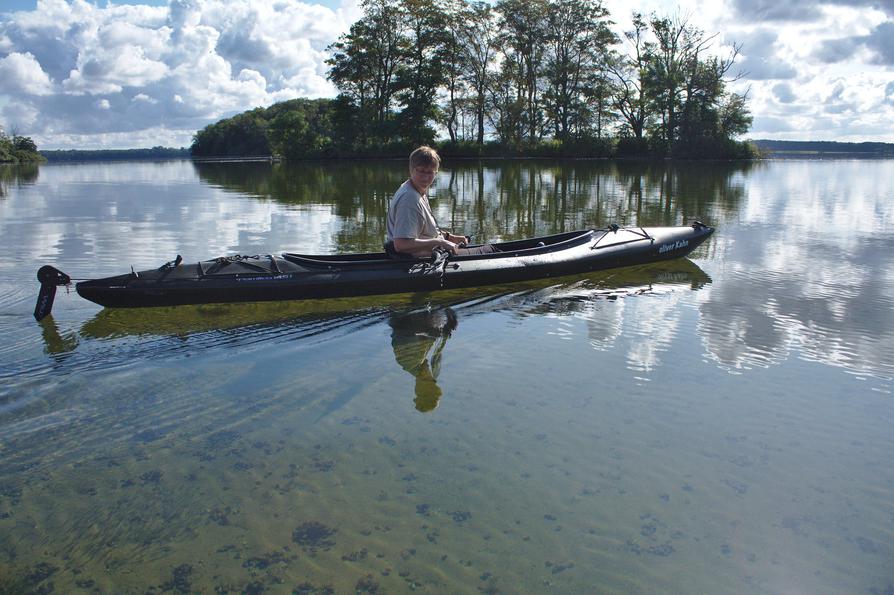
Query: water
(718,425)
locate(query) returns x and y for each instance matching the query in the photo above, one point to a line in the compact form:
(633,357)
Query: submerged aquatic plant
(313,534)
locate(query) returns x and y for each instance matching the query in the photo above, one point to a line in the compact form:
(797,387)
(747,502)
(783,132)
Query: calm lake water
(715,425)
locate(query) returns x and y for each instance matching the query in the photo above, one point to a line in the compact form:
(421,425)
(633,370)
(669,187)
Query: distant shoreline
(805,149)
(773,149)
(70,155)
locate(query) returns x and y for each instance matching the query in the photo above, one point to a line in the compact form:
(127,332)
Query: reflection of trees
(56,343)
(512,199)
(26,173)
(358,192)
(497,199)
(679,192)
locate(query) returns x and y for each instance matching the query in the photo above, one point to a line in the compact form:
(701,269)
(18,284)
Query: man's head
(425,157)
(424,165)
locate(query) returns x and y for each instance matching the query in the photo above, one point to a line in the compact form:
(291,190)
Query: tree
(300,128)
(629,71)
(18,149)
(352,70)
(479,40)
(421,69)
(6,148)
(453,63)
(688,88)
(506,109)
(671,90)
(365,62)
(242,135)
(523,26)
(665,73)
(525,70)
(734,118)
(24,144)
(577,38)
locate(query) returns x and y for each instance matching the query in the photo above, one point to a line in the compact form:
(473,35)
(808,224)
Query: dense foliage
(17,149)
(294,129)
(518,77)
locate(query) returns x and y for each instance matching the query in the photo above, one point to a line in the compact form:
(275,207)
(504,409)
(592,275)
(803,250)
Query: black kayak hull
(301,277)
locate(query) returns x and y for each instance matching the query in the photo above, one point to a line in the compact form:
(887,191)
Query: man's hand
(455,239)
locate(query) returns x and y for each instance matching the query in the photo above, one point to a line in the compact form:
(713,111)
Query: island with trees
(514,78)
(18,149)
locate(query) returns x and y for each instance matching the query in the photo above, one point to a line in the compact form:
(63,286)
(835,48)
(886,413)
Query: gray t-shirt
(410,216)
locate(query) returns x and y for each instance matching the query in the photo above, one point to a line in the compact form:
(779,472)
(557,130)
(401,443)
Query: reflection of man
(418,339)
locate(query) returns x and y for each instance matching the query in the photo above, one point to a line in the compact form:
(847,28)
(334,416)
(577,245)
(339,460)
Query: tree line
(155,153)
(785,148)
(519,77)
(18,149)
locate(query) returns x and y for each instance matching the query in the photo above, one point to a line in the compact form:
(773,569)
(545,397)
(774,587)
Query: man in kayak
(411,227)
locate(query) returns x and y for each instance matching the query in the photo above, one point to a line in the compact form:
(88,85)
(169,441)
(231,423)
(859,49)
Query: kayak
(298,277)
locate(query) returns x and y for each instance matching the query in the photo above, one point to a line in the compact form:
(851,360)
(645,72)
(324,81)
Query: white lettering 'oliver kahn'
(673,246)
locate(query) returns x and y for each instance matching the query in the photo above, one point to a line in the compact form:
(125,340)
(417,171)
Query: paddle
(49,278)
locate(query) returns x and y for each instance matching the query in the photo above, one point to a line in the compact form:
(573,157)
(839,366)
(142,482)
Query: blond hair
(425,156)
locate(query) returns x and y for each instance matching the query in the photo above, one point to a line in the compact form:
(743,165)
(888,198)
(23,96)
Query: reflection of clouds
(849,196)
(813,261)
(79,218)
(652,322)
(604,323)
(738,327)
(657,322)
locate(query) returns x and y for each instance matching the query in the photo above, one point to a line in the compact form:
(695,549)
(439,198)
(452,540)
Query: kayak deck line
(290,276)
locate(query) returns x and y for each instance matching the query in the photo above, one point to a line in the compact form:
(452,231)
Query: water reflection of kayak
(299,277)
(313,315)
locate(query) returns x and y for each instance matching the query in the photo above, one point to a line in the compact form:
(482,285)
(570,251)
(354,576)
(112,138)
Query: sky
(104,75)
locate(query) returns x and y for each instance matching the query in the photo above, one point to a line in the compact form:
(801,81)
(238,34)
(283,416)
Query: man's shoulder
(405,193)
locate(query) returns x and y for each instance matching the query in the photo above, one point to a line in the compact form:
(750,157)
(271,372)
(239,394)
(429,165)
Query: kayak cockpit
(538,245)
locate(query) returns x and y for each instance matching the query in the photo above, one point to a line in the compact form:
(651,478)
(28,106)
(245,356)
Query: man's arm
(420,247)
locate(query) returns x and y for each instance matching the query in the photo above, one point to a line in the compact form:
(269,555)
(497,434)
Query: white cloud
(177,67)
(142,97)
(21,73)
(22,116)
